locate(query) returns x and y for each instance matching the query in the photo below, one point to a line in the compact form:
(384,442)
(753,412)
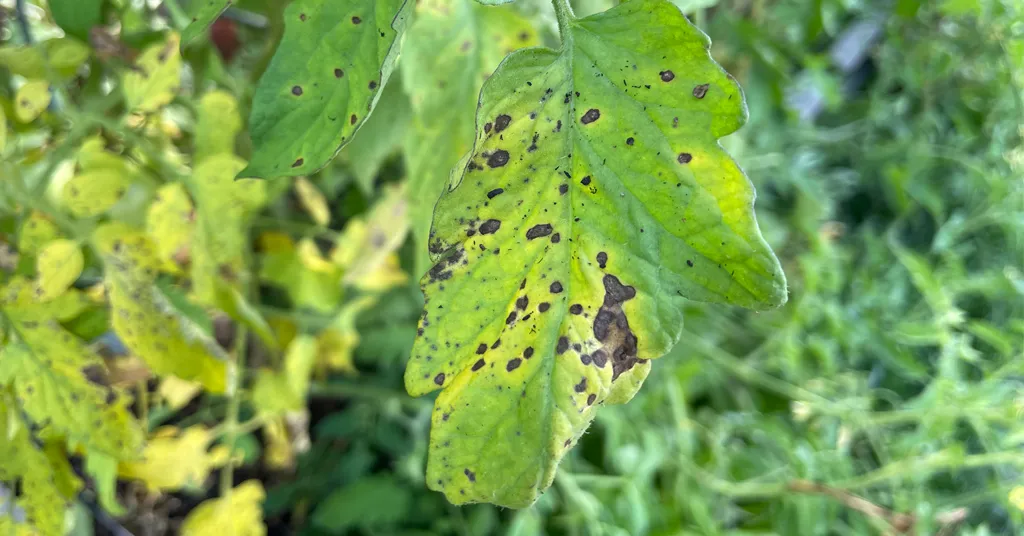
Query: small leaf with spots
(323,81)
(219,123)
(31,99)
(170,224)
(59,264)
(239,513)
(155,78)
(615,204)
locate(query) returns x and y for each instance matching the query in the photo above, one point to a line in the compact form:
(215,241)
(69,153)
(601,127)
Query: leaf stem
(565,16)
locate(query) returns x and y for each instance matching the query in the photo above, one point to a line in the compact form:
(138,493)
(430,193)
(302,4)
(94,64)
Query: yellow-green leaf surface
(595,201)
(155,78)
(219,124)
(45,365)
(36,232)
(323,81)
(313,201)
(102,179)
(63,56)
(223,207)
(174,459)
(170,221)
(450,49)
(145,320)
(240,513)
(59,264)
(23,460)
(204,13)
(31,99)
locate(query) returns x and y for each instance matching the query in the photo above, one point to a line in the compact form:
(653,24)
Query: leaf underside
(322,83)
(596,199)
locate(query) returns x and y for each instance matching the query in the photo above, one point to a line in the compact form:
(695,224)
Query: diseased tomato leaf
(322,83)
(451,48)
(595,201)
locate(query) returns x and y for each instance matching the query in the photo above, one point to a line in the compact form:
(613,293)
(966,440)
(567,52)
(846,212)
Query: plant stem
(564,15)
(231,428)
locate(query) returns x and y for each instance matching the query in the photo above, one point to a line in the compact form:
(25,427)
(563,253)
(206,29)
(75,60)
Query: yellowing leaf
(218,126)
(31,99)
(64,55)
(309,254)
(143,317)
(223,209)
(279,392)
(3,129)
(36,231)
(388,275)
(1017,497)
(238,514)
(283,266)
(170,223)
(174,459)
(313,201)
(59,264)
(178,392)
(595,201)
(365,248)
(278,453)
(155,78)
(21,460)
(93,192)
(339,339)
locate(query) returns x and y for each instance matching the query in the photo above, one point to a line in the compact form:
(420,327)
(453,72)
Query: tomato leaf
(452,47)
(595,202)
(77,17)
(322,83)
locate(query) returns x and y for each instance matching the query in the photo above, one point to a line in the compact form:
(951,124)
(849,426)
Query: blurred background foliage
(885,142)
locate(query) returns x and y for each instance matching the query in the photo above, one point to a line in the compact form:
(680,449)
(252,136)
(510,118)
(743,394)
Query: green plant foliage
(155,78)
(323,82)
(203,15)
(562,254)
(77,17)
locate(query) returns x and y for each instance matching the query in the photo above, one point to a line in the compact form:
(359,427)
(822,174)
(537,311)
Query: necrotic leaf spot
(539,230)
(498,158)
(481,349)
(296,90)
(356,20)
(602,259)
(543,307)
(700,91)
(528,352)
(490,226)
(522,302)
(501,122)
(556,287)
(494,193)
(439,379)
(576,309)
(667,75)
(592,115)
(513,364)
(684,158)
(297,163)
(479,364)
(563,345)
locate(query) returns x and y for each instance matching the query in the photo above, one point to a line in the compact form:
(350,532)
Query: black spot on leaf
(513,364)
(498,158)
(490,226)
(700,91)
(590,116)
(539,230)
(501,122)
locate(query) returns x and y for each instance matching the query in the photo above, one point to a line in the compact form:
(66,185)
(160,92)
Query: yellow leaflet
(223,208)
(174,459)
(311,258)
(219,124)
(31,99)
(366,244)
(388,275)
(281,392)
(170,221)
(283,266)
(65,56)
(278,453)
(156,77)
(101,181)
(35,232)
(313,201)
(338,341)
(3,129)
(59,264)
(238,514)
(178,392)
(146,321)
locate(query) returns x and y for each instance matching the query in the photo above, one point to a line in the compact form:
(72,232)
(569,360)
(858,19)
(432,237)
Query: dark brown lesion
(611,328)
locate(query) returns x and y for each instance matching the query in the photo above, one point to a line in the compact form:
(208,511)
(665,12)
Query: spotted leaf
(219,123)
(451,48)
(31,99)
(323,81)
(155,78)
(144,318)
(59,264)
(595,201)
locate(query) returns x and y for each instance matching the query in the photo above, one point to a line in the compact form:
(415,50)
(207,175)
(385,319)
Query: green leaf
(154,80)
(595,202)
(59,264)
(145,320)
(323,81)
(77,17)
(64,56)
(203,15)
(369,502)
(103,470)
(451,48)
(281,392)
